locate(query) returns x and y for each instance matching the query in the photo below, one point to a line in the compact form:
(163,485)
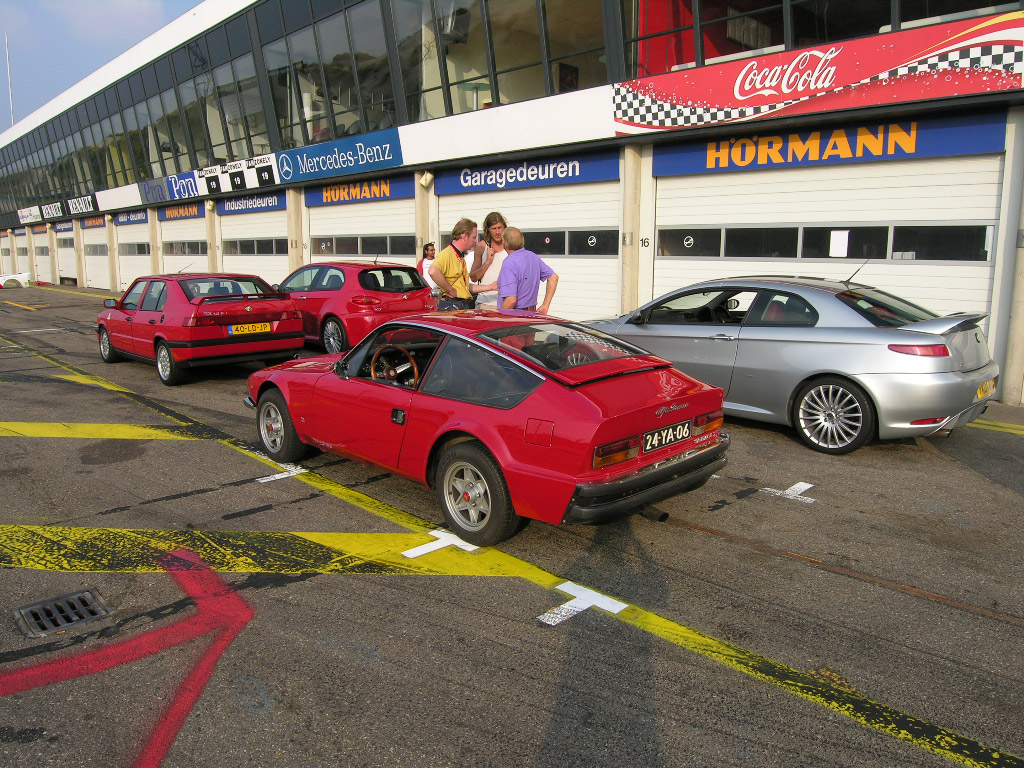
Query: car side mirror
(110,303)
(732,304)
(278,288)
(636,317)
(340,369)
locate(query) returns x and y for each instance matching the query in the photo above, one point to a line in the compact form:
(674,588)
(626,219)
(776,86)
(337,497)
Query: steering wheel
(720,314)
(390,371)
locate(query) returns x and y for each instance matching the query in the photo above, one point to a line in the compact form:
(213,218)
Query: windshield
(883,309)
(224,286)
(559,346)
(391,279)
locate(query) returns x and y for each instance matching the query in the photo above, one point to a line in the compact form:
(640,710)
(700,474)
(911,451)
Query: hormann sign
(183,211)
(856,143)
(975,56)
(567,169)
(367,153)
(364,191)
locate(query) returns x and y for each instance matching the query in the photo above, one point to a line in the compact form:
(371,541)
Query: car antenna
(185,267)
(847,280)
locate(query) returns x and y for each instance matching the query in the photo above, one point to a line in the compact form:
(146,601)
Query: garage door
(97,265)
(133,253)
(256,244)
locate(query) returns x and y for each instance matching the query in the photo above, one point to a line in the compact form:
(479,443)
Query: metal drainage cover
(61,613)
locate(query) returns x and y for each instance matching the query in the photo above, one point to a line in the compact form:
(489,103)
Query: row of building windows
(934,243)
(364,245)
(291,73)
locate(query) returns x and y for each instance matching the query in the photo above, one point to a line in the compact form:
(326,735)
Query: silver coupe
(841,362)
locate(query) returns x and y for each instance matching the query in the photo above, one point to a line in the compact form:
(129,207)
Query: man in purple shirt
(521,275)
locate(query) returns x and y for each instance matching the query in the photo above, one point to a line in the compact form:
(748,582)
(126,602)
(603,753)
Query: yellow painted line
(68,290)
(93,381)
(998,426)
(15,304)
(112,550)
(90,431)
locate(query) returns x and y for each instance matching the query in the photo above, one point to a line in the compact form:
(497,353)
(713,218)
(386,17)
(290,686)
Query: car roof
(201,275)
(357,264)
(791,281)
(471,322)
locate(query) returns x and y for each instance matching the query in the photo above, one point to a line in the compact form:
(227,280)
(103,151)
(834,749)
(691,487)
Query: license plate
(986,389)
(237,330)
(659,438)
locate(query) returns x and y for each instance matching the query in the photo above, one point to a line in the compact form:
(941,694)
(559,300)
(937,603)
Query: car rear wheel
(107,351)
(334,336)
(277,431)
(834,416)
(474,496)
(169,371)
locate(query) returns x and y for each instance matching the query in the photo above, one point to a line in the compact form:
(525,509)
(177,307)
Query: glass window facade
(287,74)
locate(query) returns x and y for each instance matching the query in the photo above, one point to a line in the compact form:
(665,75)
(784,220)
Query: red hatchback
(181,321)
(342,301)
(507,417)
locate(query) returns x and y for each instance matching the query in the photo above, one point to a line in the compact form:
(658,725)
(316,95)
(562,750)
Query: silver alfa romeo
(843,363)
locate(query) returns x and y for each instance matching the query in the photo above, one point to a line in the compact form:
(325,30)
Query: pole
(10,90)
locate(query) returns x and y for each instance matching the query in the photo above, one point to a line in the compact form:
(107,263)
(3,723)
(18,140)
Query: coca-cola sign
(975,56)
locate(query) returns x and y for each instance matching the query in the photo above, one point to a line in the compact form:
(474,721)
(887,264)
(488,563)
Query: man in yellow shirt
(450,273)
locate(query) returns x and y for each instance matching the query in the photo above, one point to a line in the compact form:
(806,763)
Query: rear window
(205,287)
(560,346)
(883,309)
(391,279)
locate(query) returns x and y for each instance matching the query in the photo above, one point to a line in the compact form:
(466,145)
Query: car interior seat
(333,283)
(393,283)
(775,312)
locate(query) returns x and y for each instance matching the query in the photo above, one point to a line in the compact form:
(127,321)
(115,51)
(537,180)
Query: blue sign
(360,154)
(271,201)
(154,191)
(367,190)
(64,226)
(182,186)
(183,211)
(857,143)
(131,217)
(569,169)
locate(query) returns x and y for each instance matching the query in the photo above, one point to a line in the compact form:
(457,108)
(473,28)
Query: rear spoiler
(239,297)
(947,324)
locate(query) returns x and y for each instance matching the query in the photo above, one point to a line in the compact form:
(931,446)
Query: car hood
(316,366)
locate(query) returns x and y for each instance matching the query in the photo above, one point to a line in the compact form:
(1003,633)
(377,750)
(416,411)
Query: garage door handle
(723,337)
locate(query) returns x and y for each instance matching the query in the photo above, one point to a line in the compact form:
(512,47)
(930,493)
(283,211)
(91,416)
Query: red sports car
(507,417)
(184,320)
(342,301)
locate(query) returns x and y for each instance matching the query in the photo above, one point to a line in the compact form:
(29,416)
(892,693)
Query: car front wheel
(169,371)
(277,431)
(834,416)
(107,351)
(474,496)
(334,336)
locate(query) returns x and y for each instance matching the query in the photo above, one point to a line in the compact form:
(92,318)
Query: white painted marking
(583,598)
(794,492)
(38,330)
(291,471)
(444,539)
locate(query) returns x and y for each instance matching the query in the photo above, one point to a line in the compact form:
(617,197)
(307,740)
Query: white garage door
(256,244)
(900,206)
(391,219)
(588,285)
(133,257)
(43,269)
(97,265)
(183,246)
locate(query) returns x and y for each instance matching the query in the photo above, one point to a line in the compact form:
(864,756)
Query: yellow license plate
(237,330)
(986,389)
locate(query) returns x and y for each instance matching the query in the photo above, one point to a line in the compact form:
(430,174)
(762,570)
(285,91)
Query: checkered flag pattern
(635,108)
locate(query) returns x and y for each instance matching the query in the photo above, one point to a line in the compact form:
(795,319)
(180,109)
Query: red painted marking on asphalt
(219,609)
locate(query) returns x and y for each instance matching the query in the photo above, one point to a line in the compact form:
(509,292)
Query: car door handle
(300,298)
(398,415)
(723,337)
(128,319)
(152,322)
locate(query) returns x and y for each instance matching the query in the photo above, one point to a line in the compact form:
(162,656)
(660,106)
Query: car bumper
(903,399)
(601,502)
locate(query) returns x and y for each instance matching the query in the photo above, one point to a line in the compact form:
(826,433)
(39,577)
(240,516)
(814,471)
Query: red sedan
(342,301)
(184,320)
(507,417)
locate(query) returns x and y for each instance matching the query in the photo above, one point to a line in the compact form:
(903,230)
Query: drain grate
(61,613)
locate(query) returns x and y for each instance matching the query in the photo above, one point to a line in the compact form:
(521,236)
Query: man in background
(450,273)
(521,275)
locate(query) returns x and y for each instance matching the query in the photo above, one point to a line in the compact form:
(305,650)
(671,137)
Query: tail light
(708,422)
(616,453)
(365,301)
(199,322)
(291,314)
(929,422)
(921,350)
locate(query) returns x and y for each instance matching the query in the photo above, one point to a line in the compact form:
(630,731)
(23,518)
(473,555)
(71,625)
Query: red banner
(969,57)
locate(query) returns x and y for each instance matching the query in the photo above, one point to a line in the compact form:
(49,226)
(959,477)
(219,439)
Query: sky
(55,43)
